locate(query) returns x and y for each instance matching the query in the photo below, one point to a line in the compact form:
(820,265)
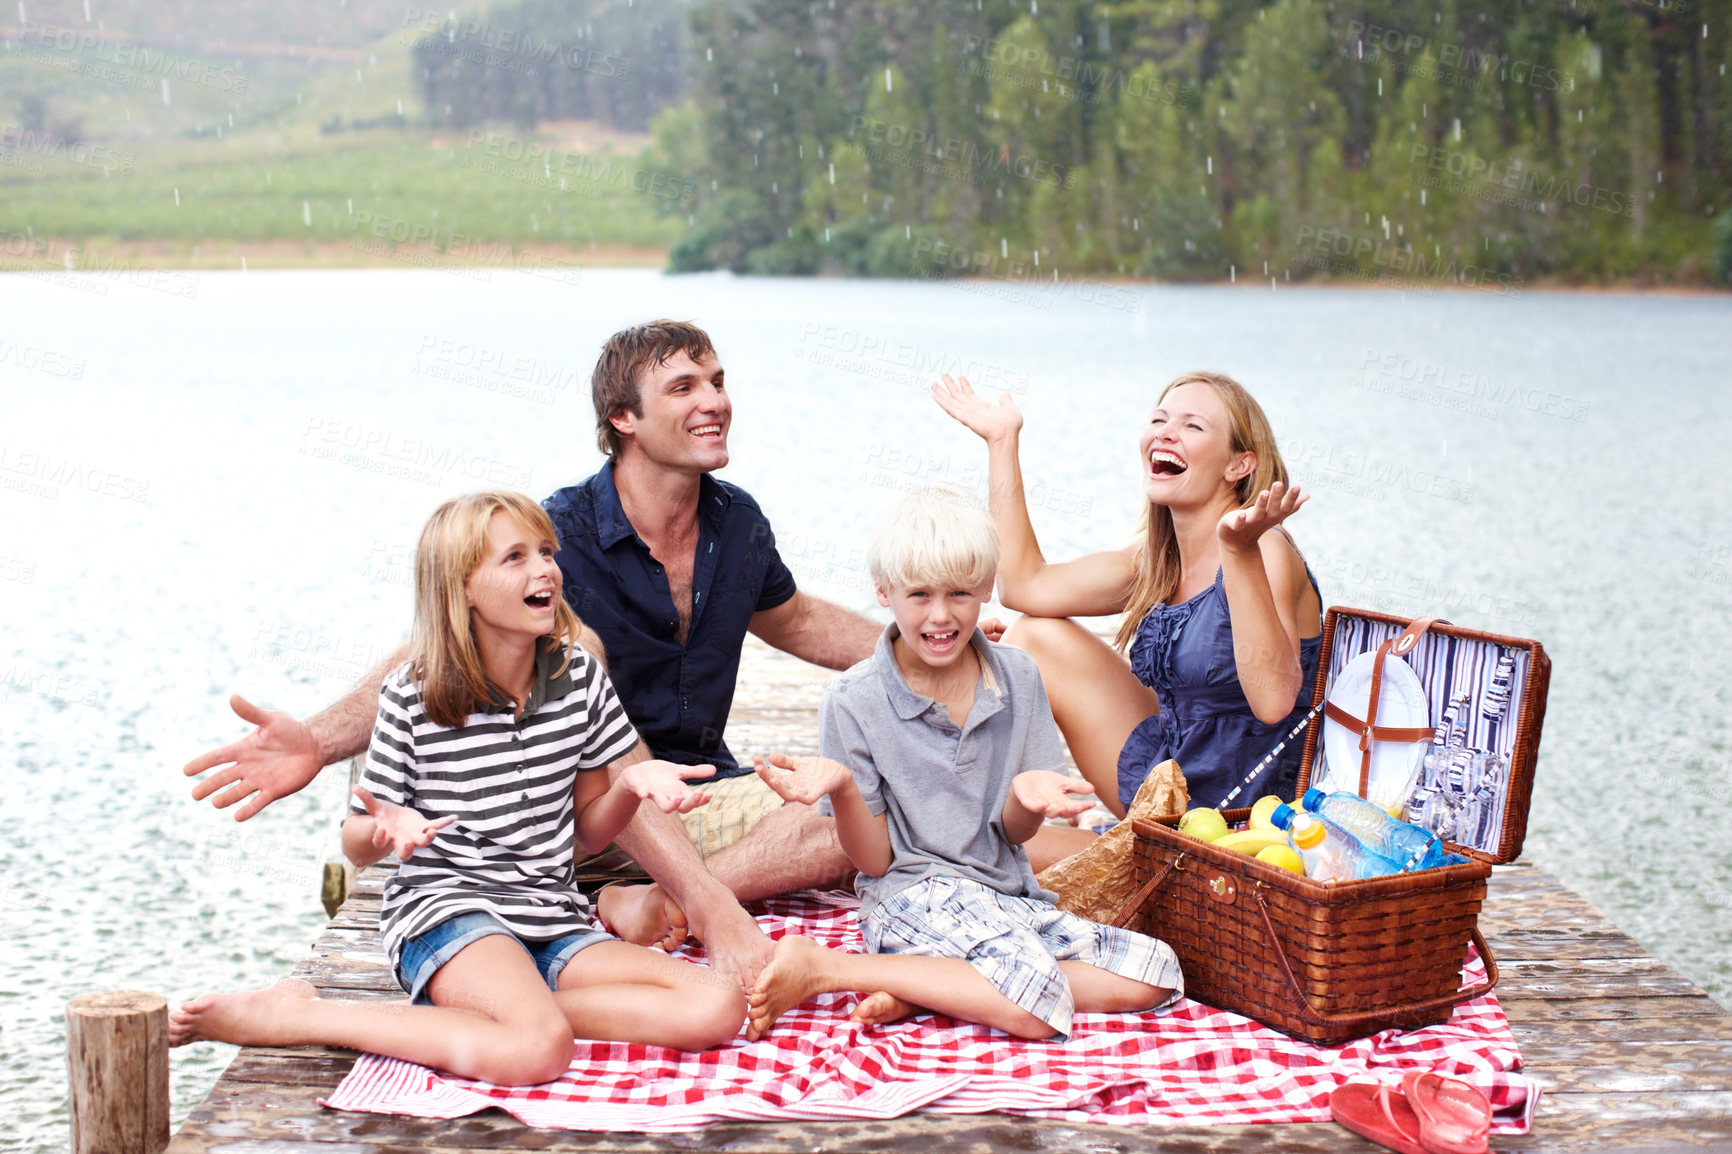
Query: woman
(1221,616)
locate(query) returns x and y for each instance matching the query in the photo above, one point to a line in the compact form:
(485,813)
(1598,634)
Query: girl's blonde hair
(936,536)
(443,656)
(1157,549)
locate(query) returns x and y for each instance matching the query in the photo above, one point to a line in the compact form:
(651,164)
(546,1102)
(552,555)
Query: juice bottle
(1407,845)
(1330,853)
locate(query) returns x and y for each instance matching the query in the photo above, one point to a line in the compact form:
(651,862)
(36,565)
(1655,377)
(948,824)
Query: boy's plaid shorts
(1017,943)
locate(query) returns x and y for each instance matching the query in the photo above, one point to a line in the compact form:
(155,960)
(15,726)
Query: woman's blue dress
(1184,653)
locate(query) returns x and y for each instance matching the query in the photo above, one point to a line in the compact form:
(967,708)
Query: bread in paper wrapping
(1097,882)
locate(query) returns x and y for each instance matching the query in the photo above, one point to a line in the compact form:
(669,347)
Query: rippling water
(219,491)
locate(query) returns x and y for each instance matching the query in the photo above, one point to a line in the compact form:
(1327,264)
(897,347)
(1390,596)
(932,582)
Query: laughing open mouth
(1165,464)
(539,600)
(707,432)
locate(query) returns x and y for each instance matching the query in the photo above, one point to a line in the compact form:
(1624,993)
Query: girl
(484,775)
(1221,617)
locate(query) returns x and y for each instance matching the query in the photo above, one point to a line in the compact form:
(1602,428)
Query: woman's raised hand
(989,421)
(1241,528)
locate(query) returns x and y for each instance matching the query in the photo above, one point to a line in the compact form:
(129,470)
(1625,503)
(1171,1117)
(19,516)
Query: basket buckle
(1223,889)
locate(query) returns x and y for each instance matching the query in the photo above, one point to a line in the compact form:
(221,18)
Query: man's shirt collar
(612,525)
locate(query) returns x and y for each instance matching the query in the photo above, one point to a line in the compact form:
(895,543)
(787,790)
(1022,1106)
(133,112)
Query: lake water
(213,482)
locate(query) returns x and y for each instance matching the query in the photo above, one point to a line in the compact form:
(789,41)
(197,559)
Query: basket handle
(1365,1017)
(1129,909)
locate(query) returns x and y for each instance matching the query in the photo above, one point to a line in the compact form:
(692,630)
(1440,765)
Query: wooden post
(117,1059)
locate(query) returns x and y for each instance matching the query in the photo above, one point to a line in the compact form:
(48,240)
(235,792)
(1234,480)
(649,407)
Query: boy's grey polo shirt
(941,788)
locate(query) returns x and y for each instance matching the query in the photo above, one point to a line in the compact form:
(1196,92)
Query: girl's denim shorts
(423,955)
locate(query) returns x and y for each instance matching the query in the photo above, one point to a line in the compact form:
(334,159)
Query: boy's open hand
(398,829)
(802,779)
(1049,794)
(662,782)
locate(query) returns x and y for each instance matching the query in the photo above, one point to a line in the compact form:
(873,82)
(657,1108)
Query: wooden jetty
(1629,1054)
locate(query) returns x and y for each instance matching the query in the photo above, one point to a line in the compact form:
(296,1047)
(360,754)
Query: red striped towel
(1188,1064)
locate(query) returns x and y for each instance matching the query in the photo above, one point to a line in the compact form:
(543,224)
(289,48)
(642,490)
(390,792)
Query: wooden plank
(1547,945)
(1562,1013)
(1592,978)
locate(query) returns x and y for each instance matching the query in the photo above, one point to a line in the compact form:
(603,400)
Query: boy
(939,758)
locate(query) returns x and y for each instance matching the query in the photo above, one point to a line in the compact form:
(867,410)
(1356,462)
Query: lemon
(1261,811)
(1284,856)
(1203,823)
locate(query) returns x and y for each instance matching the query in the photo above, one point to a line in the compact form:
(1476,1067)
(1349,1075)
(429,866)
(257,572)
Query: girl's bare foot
(881,1009)
(796,971)
(643,915)
(255,1018)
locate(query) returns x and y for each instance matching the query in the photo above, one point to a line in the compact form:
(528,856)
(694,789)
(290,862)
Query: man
(668,568)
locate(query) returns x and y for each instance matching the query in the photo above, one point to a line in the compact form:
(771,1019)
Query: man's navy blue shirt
(677,696)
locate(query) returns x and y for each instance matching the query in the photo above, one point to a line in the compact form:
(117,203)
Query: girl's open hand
(802,779)
(397,829)
(1241,528)
(989,421)
(663,783)
(1051,794)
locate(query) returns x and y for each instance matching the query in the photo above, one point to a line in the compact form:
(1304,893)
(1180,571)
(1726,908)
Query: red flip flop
(1454,1117)
(1375,1111)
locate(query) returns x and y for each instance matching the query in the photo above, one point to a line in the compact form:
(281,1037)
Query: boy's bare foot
(643,915)
(254,1018)
(881,1009)
(796,971)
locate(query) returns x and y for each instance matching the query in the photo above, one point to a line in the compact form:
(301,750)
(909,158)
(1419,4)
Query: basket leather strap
(1353,1018)
(1130,908)
(1368,729)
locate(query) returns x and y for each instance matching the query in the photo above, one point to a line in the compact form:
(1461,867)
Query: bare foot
(643,915)
(255,1018)
(736,946)
(796,972)
(881,1009)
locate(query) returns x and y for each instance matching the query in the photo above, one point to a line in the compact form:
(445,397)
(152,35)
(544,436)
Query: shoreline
(108,255)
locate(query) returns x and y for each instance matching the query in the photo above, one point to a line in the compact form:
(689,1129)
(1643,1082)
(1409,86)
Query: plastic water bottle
(1330,853)
(1405,844)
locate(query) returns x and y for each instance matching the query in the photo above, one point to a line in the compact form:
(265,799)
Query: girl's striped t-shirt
(508,781)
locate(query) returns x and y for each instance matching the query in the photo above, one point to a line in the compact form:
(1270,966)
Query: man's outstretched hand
(278,758)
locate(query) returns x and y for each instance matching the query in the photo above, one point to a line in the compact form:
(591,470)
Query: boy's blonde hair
(443,655)
(935,536)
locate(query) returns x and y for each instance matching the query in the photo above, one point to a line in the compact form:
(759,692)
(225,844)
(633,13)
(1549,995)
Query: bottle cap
(1281,816)
(1306,834)
(1313,798)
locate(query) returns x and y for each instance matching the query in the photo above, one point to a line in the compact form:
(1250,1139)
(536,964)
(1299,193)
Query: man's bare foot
(643,915)
(735,944)
(255,1018)
(881,1009)
(797,971)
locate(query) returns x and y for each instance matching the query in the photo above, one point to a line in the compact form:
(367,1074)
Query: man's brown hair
(614,384)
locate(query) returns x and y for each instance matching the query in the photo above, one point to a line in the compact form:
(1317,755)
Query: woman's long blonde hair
(1157,549)
(443,656)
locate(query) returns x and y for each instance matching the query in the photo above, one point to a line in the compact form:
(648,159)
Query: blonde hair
(443,656)
(935,536)
(1157,549)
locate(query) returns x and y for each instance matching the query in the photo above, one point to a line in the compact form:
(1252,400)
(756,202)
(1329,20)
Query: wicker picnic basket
(1330,962)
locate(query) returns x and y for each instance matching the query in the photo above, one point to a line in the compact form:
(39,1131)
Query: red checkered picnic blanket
(1187,1064)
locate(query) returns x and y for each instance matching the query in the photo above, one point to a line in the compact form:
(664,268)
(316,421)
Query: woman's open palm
(1241,528)
(988,421)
